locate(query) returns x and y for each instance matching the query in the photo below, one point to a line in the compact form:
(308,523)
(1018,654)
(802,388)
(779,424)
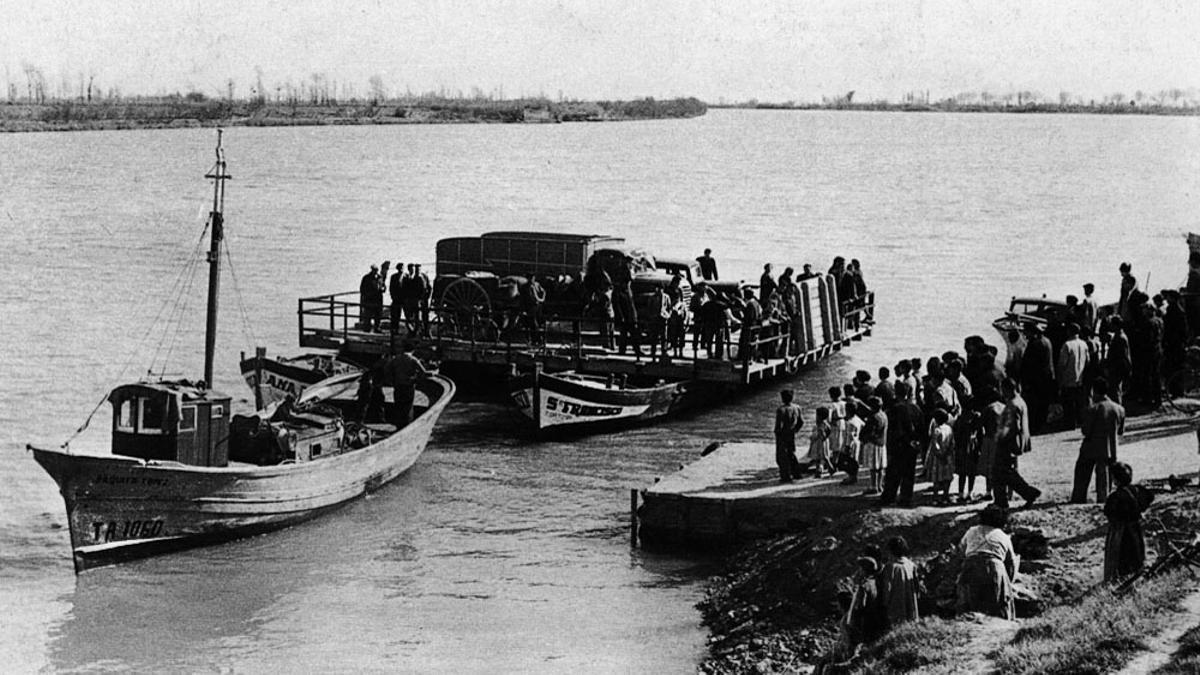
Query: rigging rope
(247,327)
(186,272)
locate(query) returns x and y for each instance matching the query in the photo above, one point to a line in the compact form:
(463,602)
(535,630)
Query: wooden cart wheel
(463,299)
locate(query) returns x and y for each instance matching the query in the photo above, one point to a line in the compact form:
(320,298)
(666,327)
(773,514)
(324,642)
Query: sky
(600,49)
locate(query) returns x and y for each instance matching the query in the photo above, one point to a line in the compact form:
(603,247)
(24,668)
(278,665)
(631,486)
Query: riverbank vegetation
(776,609)
(196,110)
(1173,101)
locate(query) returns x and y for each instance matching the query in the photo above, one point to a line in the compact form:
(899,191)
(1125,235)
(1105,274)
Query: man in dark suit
(1012,441)
(1103,421)
(1037,375)
(905,438)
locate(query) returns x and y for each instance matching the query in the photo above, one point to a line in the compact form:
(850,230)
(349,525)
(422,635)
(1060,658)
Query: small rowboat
(572,401)
(273,379)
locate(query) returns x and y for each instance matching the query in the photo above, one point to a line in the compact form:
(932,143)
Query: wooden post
(578,339)
(332,316)
(535,395)
(259,354)
(300,320)
(633,518)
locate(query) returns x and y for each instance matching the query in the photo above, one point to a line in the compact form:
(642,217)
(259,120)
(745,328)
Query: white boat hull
(120,508)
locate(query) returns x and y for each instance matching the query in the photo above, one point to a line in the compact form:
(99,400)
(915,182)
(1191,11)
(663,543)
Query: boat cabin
(171,421)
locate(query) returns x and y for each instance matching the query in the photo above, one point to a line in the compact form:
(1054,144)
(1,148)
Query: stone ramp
(733,494)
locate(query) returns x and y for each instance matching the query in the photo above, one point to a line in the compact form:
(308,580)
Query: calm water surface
(495,553)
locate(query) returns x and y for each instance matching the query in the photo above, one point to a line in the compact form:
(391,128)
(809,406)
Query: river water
(495,553)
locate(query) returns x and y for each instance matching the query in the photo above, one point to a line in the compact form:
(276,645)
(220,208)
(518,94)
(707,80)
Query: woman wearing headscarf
(989,566)
(1125,546)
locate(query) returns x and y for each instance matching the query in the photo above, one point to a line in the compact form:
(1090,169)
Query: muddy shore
(775,609)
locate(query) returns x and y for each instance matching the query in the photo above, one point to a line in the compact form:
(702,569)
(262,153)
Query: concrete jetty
(733,493)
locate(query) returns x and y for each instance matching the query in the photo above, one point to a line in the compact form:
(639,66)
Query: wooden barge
(473,330)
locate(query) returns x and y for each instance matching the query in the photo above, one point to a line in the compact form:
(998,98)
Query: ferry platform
(331,322)
(733,494)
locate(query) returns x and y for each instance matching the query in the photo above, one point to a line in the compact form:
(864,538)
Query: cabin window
(187,418)
(218,411)
(126,415)
(316,450)
(151,416)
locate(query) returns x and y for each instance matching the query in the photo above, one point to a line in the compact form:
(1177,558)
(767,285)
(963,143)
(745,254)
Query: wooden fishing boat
(183,471)
(579,402)
(273,379)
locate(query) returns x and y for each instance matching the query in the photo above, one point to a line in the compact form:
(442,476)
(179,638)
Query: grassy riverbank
(1130,108)
(198,111)
(776,610)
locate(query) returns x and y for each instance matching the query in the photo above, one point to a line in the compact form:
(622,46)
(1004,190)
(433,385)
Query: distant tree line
(32,105)
(1171,101)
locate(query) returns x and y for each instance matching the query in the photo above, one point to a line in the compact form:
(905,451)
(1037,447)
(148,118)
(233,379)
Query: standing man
(1072,361)
(370,298)
(1119,364)
(1154,356)
(411,285)
(396,293)
(751,321)
(708,265)
(658,309)
(1037,375)
(533,296)
(1012,441)
(1175,334)
(424,291)
(905,438)
(788,422)
(624,309)
(766,284)
(403,371)
(1091,311)
(1103,421)
(1128,286)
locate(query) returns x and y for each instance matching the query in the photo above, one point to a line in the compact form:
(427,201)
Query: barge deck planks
(564,356)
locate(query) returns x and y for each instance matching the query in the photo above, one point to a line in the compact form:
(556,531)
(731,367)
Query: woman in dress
(939,458)
(873,445)
(989,567)
(837,420)
(855,416)
(1125,546)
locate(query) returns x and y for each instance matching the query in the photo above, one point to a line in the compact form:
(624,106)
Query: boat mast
(217,223)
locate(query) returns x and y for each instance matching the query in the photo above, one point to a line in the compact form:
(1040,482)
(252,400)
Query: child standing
(850,447)
(818,443)
(940,457)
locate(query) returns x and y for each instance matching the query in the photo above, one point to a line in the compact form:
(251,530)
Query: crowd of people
(1136,348)
(658,317)
(952,416)
(410,293)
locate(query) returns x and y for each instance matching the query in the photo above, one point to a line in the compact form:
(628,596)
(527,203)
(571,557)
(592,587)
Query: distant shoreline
(176,112)
(950,107)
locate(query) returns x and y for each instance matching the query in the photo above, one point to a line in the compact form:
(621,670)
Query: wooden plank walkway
(733,494)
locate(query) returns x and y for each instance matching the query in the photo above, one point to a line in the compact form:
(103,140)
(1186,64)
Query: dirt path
(1165,644)
(988,634)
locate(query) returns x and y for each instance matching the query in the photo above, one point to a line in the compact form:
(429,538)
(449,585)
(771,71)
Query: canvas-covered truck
(483,276)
